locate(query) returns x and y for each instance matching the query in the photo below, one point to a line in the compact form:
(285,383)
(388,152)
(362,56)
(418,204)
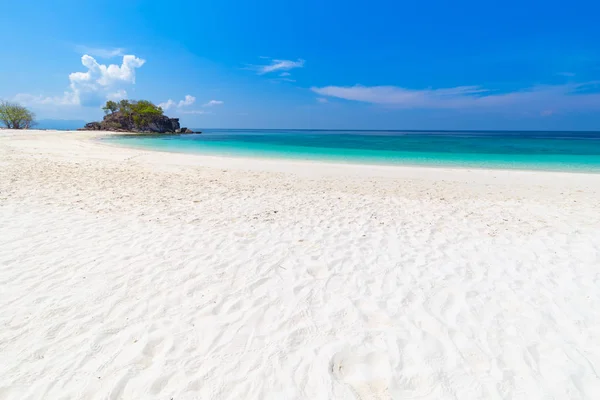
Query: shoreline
(317,168)
(572,166)
(327,162)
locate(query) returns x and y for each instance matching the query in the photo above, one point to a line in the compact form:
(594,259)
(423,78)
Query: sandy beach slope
(130,274)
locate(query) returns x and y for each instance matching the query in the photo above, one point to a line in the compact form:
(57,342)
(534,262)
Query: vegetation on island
(140,112)
(15,116)
(139,108)
(136,116)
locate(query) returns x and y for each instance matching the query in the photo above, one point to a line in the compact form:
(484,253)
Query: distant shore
(144,274)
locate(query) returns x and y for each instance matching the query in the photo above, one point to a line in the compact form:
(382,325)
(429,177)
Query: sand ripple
(123,281)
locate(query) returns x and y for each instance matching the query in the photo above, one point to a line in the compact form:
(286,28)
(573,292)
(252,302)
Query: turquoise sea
(562,151)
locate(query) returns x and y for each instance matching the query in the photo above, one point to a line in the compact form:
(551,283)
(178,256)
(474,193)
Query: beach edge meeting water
(526,150)
(147,274)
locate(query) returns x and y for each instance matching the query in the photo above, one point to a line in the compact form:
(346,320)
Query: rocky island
(139,116)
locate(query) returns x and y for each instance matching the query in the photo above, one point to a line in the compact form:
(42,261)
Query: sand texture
(130,274)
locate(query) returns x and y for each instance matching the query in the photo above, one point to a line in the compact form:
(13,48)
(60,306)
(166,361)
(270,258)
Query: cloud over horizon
(197,112)
(103,82)
(213,103)
(548,98)
(92,88)
(279,65)
(188,100)
(181,106)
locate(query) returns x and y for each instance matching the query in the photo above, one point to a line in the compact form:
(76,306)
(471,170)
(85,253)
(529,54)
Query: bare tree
(15,116)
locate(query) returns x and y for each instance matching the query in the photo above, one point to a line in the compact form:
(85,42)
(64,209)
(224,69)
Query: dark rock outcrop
(164,124)
(92,126)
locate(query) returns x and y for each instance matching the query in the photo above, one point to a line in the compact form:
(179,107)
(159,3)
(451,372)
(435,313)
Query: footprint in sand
(366,373)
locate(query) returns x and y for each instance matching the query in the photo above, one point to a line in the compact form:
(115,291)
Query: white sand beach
(131,274)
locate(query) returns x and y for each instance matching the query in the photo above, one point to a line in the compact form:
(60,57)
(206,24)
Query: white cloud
(569,96)
(213,103)
(167,104)
(101,52)
(322,100)
(188,100)
(92,88)
(101,81)
(278,65)
(283,74)
(68,98)
(194,112)
(181,107)
(118,95)
(392,95)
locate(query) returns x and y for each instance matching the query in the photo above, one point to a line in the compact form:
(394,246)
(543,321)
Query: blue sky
(311,64)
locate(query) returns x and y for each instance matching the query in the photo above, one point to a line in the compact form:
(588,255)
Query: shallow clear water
(563,151)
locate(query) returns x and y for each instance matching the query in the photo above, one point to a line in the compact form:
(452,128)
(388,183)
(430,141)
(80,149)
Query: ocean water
(560,151)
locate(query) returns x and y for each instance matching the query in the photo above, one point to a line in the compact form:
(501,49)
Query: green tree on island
(143,112)
(110,107)
(125,106)
(15,116)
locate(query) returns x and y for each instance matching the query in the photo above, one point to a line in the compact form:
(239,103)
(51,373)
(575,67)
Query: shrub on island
(15,116)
